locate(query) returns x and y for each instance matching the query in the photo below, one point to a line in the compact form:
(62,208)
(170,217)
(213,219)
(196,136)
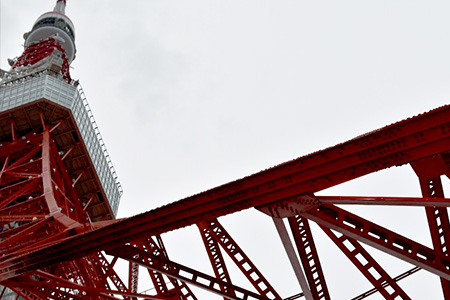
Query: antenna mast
(60,6)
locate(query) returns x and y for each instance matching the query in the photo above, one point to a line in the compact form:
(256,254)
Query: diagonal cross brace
(380,238)
(367,265)
(180,272)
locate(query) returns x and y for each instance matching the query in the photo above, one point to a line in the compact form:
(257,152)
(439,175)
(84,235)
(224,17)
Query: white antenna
(60,6)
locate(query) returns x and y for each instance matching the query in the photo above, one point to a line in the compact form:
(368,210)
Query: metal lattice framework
(50,249)
(59,238)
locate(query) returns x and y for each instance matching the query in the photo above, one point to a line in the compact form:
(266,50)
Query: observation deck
(77,138)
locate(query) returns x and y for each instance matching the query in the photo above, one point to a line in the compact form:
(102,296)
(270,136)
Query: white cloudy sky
(190,94)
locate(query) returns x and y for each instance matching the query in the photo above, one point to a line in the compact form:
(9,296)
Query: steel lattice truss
(50,249)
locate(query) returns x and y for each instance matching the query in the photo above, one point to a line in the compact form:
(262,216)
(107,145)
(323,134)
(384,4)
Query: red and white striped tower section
(59,196)
(56,179)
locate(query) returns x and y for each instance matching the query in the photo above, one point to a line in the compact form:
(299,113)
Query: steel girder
(61,240)
(306,248)
(379,278)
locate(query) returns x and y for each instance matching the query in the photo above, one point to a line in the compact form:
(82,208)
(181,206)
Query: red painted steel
(310,259)
(60,231)
(180,290)
(365,263)
(394,201)
(55,225)
(38,205)
(177,271)
(133,271)
(381,238)
(397,278)
(429,171)
(215,256)
(243,262)
(109,273)
(393,145)
(39,51)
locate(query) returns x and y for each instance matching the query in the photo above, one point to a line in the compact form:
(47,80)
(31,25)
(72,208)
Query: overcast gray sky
(192,94)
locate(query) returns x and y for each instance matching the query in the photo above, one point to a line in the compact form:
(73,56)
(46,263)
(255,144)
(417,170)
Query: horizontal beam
(397,144)
(400,201)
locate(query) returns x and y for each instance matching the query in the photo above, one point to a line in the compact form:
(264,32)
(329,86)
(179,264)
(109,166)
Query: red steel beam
(310,259)
(26,187)
(367,265)
(27,295)
(381,238)
(396,278)
(397,144)
(429,171)
(133,275)
(215,255)
(4,166)
(179,272)
(55,287)
(46,173)
(398,201)
(180,289)
(242,261)
(109,272)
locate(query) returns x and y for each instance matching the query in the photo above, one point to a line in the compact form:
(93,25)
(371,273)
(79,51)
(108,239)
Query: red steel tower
(59,194)
(56,177)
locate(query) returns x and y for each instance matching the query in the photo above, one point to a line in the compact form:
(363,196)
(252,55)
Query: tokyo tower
(59,196)
(56,176)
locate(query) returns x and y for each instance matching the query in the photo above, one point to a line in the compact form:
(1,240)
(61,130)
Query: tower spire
(49,45)
(60,6)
